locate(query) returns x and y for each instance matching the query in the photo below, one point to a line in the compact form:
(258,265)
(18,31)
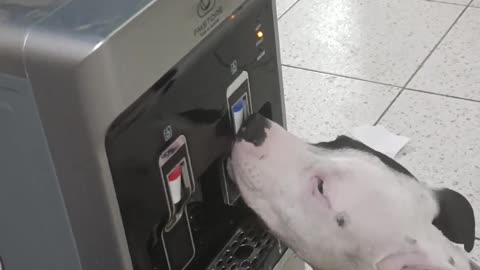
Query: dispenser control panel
(168,150)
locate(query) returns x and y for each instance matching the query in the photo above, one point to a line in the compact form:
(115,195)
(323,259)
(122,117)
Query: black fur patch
(455,219)
(342,142)
(253,129)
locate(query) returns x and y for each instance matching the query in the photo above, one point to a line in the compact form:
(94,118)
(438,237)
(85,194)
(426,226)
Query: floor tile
(371,39)
(454,68)
(320,107)
(445,144)
(283,6)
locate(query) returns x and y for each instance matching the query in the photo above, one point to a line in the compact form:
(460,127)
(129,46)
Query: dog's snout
(253,129)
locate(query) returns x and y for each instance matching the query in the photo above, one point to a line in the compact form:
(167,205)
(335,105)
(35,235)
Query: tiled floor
(410,65)
(454,68)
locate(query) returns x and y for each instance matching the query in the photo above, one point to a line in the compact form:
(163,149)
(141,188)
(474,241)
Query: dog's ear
(455,218)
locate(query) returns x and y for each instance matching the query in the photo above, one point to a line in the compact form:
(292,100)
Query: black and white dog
(341,205)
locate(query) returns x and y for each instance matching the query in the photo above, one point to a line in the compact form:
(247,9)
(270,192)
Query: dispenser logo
(210,14)
(204,7)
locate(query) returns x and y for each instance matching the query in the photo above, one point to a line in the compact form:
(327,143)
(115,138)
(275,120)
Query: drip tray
(246,250)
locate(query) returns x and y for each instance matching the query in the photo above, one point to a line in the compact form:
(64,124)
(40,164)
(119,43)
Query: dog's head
(346,197)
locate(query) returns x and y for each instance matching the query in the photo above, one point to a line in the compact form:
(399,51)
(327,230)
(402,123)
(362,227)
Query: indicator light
(175,184)
(232,17)
(259,34)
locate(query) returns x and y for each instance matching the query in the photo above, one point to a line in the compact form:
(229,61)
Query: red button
(175,174)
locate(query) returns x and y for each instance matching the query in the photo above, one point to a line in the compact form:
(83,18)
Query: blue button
(238,107)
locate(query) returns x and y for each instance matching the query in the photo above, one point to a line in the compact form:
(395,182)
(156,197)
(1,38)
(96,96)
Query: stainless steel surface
(80,27)
(35,230)
(88,60)
(279,62)
(16,18)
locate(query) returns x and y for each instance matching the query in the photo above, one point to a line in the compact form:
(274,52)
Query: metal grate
(245,250)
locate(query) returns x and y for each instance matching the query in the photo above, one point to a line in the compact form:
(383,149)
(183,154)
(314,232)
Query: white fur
(385,211)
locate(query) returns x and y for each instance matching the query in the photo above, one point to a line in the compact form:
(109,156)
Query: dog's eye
(320,186)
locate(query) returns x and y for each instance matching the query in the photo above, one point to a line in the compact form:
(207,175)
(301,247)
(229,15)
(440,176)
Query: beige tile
(454,68)
(370,39)
(320,107)
(283,6)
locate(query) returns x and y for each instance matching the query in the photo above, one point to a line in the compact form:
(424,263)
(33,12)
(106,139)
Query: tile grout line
(442,95)
(288,9)
(340,75)
(423,63)
(448,3)
(444,2)
(381,83)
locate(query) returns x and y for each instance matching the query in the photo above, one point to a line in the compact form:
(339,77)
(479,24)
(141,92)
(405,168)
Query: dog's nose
(253,129)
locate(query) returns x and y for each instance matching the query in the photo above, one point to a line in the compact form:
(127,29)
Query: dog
(341,205)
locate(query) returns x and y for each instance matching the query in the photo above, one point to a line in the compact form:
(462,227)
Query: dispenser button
(175,184)
(238,114)
(238,101)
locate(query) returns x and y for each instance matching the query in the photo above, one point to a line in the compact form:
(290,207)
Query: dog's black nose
(253,129)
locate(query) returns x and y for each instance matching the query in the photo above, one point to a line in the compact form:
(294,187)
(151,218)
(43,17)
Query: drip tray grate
(245,251)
